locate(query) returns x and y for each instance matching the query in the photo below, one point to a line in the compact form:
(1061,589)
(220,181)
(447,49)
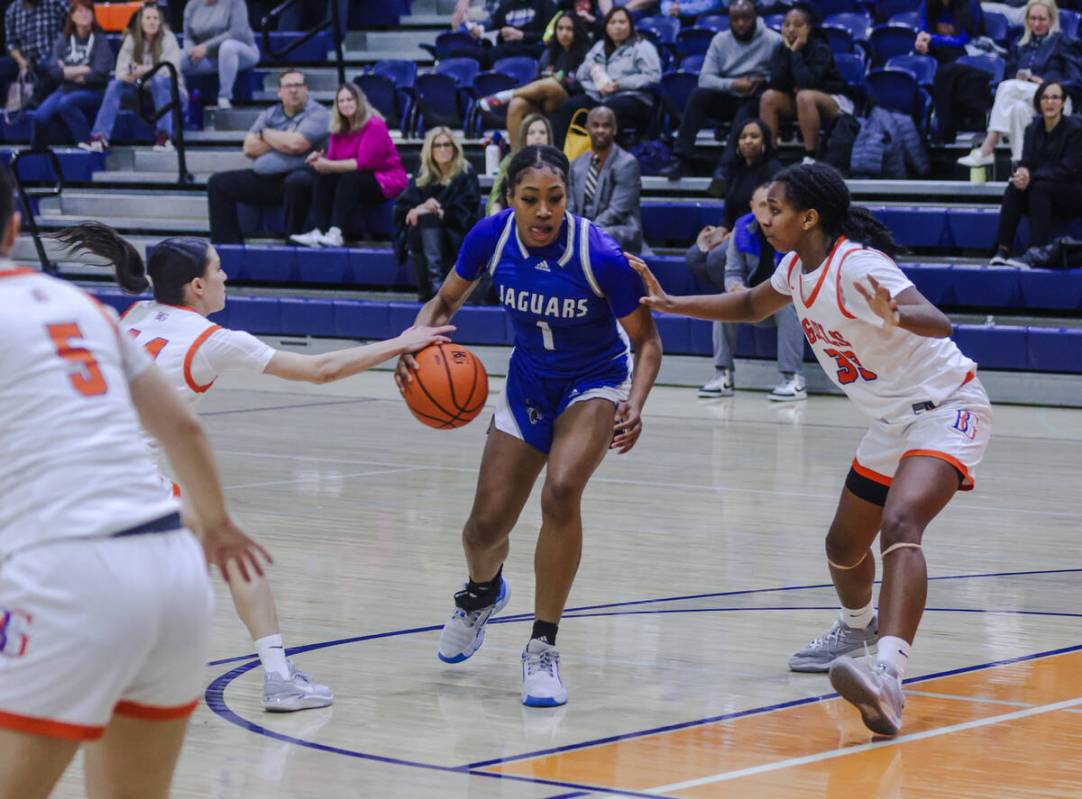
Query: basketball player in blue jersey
(572,394)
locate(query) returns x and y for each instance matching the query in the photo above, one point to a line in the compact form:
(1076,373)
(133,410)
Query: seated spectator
(1046,180)
(1043,53)
(804,80)
(558,64)
(278,143)
(689,8)
(218,40)
(1013,10)
(436,211)
(615,73)
(732,78)
(534,130)
(361,169)
(148,43)
(946,27)
(30,28)
(748,260)
(519,25)
(604,184)
(637,9)
(81,61)
(754,163)
(468,13)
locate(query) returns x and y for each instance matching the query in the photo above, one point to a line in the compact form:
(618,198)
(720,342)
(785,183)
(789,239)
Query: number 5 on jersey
(87,379)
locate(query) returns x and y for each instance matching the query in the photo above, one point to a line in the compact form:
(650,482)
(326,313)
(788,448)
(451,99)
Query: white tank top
(884,372)
(72,462)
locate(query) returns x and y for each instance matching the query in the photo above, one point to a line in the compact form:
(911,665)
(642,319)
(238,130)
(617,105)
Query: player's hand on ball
(655,295)
(233,552)
(403,372)
(417,338)
(628,427)
(879,300)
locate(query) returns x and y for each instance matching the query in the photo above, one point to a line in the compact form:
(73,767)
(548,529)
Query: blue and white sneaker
(541,683)
(464,632)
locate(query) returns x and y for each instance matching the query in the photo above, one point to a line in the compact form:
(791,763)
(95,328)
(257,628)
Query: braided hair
(174,263)
(536,156)
(821,186)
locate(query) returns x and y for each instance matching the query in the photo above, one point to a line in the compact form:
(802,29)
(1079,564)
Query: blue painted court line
(215,693)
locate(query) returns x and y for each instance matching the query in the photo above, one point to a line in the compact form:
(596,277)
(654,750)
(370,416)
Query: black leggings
(337,197)
(631,112)
(1038,201)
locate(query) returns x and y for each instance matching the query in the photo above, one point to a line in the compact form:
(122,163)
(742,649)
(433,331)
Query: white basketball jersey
(73,463)
(189,349)
(884,372)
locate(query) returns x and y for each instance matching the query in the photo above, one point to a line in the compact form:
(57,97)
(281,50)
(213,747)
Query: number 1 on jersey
(546,336)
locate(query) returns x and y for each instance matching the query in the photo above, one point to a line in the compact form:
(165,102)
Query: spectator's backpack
(1063,253)
(888,142)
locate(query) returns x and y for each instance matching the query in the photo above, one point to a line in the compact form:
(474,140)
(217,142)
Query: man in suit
(605,183)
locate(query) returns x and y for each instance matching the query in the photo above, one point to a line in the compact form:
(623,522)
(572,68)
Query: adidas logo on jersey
(542,266)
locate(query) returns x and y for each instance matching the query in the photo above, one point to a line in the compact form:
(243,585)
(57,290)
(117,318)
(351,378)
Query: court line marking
(833,754)
(292,406)
(822,497)
(316,479)
(984,700)
(215,697)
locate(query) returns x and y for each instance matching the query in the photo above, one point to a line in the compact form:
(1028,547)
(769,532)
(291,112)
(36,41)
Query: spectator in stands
(689,8)
(558,65)
(534,130)
(615,73)
(754,163)
(588,13)
(604,183)
(473,12)
(636,8)
(80,63)
(30,28)
(146,44)
(946,27)
(747,259)
(1013,10)
(278,143)
(218,40)
(436,211)
(519,25)
(804,80)
(360,170)
(1043,53)
(732,78)
(1046,181)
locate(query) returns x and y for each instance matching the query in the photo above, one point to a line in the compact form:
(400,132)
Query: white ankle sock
(857,619)
(894,652)
(272,654)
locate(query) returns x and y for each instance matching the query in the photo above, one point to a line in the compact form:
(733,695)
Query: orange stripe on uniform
(808,303)
(875,477)
(154,713)
(198,389)
(19,270)
(967,479)
(50,728)
(838,287)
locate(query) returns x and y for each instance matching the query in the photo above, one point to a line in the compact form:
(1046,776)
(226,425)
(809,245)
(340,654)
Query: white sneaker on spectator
(313,238)
(162,144)
(332,238)
(720,386)
(998,260)
(224,104)
(95,144)
(496,100)
(791,388)
(977,158)
(807,160)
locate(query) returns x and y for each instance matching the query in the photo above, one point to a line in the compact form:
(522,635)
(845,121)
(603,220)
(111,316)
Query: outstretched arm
(331,366)
(745,306)
(909,310)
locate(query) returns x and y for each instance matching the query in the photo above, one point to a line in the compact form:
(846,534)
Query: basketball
(450,387)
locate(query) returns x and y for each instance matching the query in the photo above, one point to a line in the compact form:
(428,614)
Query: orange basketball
(450,387)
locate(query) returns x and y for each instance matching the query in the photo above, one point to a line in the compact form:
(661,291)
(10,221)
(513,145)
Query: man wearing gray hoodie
(734,74)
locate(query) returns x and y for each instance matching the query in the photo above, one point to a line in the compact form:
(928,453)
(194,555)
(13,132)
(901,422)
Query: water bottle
(978,174)
(493,154)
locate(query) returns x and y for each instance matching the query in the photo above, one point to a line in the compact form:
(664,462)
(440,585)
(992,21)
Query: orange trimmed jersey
(74,462)
(886,373)
(191,350)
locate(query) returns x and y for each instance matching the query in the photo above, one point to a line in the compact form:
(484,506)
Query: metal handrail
(25,194)
(268,23)
(174,106)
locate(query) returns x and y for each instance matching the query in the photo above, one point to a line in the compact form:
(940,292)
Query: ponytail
(821,186)
(101,240)
(173,263)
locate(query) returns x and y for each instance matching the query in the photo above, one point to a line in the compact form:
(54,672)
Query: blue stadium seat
(851,67)
(485,84)
(839,37)
(360,319)
(462,70)
(923,67)
(677,87)
(934,281)
(894,89)
(454,44)
(856,22)
(692,63)
(401,71)
(383,94)
(1052,349)
(996,27)
(273,265)
(478,324)
(915,226)
(774,21)
(326,265)
(1054,289)
(1068,22)
(986,286)
(828,8)
(993,65)
(254,314)
(693,41)
(520,67)
(887,41)
(234,260)
(37,168)
(971,228)
(663,29)
(910,19)
(378,268)
(713,22)
(315,49)
(885,9)
(302,316)
(437,103)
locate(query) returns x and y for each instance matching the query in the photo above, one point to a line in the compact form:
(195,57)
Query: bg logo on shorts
(966,424)
(14,633)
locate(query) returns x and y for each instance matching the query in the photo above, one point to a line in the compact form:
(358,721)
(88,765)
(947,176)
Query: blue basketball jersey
(564,299)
